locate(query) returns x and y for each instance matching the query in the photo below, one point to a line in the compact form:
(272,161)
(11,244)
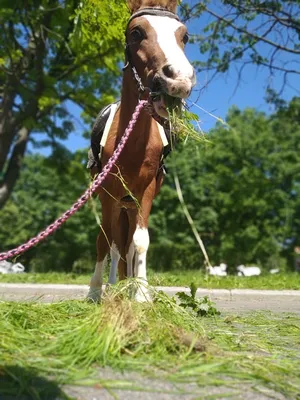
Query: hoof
(94,295)
(143,295)
(108,289)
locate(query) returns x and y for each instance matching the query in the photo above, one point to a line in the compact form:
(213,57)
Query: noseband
(157,11)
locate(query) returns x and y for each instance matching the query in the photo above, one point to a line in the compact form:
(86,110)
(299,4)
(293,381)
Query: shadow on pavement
(17,383)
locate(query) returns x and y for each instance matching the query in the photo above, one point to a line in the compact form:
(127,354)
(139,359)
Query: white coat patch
(141,240)
(165,29)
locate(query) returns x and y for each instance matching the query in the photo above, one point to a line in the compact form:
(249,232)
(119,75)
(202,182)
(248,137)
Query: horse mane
(135,5)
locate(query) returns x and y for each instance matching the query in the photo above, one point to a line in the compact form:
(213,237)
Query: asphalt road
(235,300)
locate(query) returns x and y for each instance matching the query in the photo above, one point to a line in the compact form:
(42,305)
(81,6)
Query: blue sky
(216,97)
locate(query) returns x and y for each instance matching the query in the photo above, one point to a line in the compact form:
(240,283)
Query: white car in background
(11,268)
(218,270)
(248,271)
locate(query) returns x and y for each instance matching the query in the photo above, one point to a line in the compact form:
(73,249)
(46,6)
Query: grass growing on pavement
(172,278)
(67,341)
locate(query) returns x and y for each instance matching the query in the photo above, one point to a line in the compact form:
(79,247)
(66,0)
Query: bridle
(157,11)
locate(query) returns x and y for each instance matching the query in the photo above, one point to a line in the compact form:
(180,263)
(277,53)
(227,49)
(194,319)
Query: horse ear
(134,5)
(172,6)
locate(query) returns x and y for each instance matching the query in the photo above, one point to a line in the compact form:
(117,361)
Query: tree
(53,53)
(242,191)
(46,188)
(238,33)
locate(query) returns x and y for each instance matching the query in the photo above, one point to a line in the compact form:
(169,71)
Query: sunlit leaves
(52,54)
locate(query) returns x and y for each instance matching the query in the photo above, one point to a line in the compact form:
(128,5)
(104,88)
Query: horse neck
(129,101)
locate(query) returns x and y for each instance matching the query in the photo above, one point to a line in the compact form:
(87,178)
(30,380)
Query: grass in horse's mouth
(183,121)
(174,104)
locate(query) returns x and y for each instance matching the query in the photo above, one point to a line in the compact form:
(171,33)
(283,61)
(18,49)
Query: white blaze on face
(165,29)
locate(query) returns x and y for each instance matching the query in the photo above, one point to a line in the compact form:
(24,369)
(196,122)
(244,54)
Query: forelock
(135,5)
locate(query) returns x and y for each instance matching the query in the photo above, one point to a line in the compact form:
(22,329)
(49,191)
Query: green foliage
(81,55)
(202,307)
(54,55)
(45,190)
(242,191)
(166,256)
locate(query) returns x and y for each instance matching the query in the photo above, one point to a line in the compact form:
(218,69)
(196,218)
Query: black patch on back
(97,133)
(127,199)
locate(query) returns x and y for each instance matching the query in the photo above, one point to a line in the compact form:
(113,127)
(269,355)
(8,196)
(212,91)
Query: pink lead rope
(86,195)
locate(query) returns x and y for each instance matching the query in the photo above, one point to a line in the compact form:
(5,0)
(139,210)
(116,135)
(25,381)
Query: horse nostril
(169,71)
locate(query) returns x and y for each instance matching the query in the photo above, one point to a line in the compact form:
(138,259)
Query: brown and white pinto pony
(155,47)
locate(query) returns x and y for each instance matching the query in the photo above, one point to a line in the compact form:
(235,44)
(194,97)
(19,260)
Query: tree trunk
(13,170)
(7,120)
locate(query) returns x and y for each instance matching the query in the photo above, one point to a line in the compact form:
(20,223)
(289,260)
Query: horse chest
(136,168)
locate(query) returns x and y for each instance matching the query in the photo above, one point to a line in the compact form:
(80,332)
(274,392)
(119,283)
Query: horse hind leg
(120,233)
(103,245)
(130,249)
(115,258)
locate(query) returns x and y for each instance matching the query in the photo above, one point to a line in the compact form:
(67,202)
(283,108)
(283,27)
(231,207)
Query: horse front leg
(141,243)
(96,283)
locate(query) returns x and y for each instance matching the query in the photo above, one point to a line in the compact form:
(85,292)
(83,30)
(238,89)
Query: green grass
(185,277)
(173,278)
(66,342)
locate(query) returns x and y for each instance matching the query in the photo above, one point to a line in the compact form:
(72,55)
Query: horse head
(155,42)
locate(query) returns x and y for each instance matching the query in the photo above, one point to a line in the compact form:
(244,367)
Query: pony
(155,68)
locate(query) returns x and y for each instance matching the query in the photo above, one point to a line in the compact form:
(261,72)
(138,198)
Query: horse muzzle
(174,86)
(173,83)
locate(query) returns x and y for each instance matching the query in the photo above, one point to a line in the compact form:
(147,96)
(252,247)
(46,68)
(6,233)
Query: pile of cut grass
(172,278)
(67,341)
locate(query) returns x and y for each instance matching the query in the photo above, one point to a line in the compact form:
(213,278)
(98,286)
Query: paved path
(134,386)
(108,384)
(235,300)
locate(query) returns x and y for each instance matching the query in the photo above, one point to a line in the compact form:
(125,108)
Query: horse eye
(137,35)
(185,38)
